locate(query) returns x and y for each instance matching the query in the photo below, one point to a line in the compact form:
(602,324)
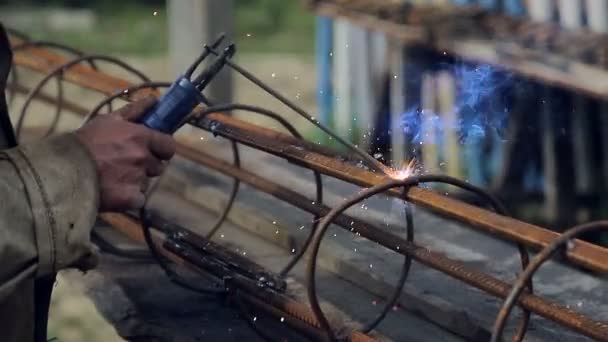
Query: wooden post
(521,155)
(362,85)
(557,153)
(343,116)
(597,18)
(446,87)
(324,48)
(397,103)
(429,137)
(193,23)
(571,15)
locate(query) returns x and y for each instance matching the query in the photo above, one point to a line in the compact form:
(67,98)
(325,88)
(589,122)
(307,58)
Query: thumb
(136,109)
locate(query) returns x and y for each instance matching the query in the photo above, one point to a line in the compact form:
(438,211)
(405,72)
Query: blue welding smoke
(481,108)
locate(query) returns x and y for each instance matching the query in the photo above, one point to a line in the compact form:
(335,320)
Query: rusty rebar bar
(309,156)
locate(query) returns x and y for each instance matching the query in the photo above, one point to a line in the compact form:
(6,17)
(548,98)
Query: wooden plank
(343,116)
(429,138)
(571,17)
(446,85)
(397,103)
(597,18)
(324,65)
(363,100)
(557,155)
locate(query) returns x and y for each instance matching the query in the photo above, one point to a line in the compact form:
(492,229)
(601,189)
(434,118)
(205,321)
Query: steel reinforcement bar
(320,160)
(582,253)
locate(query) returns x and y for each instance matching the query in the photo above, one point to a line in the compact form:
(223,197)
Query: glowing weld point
(255,319)
(282,319)
(155,13)
(403,172)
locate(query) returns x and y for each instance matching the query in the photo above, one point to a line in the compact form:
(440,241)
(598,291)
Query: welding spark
(403,172)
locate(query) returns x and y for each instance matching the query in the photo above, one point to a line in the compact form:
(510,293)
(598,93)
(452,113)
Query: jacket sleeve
(49,201)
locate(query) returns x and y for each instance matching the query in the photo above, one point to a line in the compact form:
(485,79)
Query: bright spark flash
(403,172)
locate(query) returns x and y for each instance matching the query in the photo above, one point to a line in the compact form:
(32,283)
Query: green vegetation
(135,27)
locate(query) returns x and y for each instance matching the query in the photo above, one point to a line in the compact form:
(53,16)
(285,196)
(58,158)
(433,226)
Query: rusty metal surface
(263,297)
(237,272)
(582,253)
(398,244)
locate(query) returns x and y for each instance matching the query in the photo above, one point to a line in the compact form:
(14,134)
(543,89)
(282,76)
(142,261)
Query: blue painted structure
(324,62)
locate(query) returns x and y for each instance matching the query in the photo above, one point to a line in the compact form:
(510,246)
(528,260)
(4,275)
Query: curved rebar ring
(18,34)
(122,93)
(544,255)
(47,44)
(405,271)
(235,188)
(64,67)
(318,181)
(53,45)
(235,151)
(328,219)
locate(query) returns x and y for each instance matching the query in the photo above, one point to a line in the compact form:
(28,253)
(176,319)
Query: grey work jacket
(48,205)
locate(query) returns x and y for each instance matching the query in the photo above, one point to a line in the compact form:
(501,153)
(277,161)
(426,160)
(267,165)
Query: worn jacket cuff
(60,179)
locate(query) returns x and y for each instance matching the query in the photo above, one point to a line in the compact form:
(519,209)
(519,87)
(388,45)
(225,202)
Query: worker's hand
(126,154)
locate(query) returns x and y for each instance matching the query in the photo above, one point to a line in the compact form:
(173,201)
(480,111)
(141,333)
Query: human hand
(126,154)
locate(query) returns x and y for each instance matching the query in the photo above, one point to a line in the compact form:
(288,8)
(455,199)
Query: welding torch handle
(173,107)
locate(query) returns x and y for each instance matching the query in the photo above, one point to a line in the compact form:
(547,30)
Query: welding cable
(371,161)
(318,180)
(407,183)
(65,67)
(563,243)
(235,150)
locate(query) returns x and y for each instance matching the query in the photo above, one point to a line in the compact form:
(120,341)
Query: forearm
(49,204)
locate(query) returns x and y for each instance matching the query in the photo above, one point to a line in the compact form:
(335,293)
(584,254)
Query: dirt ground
(73,316)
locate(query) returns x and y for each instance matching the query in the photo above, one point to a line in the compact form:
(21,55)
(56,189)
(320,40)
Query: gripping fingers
(155,167)
(121,198)
(135,110)
(162,145)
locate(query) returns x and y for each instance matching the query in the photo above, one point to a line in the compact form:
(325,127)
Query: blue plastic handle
(173,107)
